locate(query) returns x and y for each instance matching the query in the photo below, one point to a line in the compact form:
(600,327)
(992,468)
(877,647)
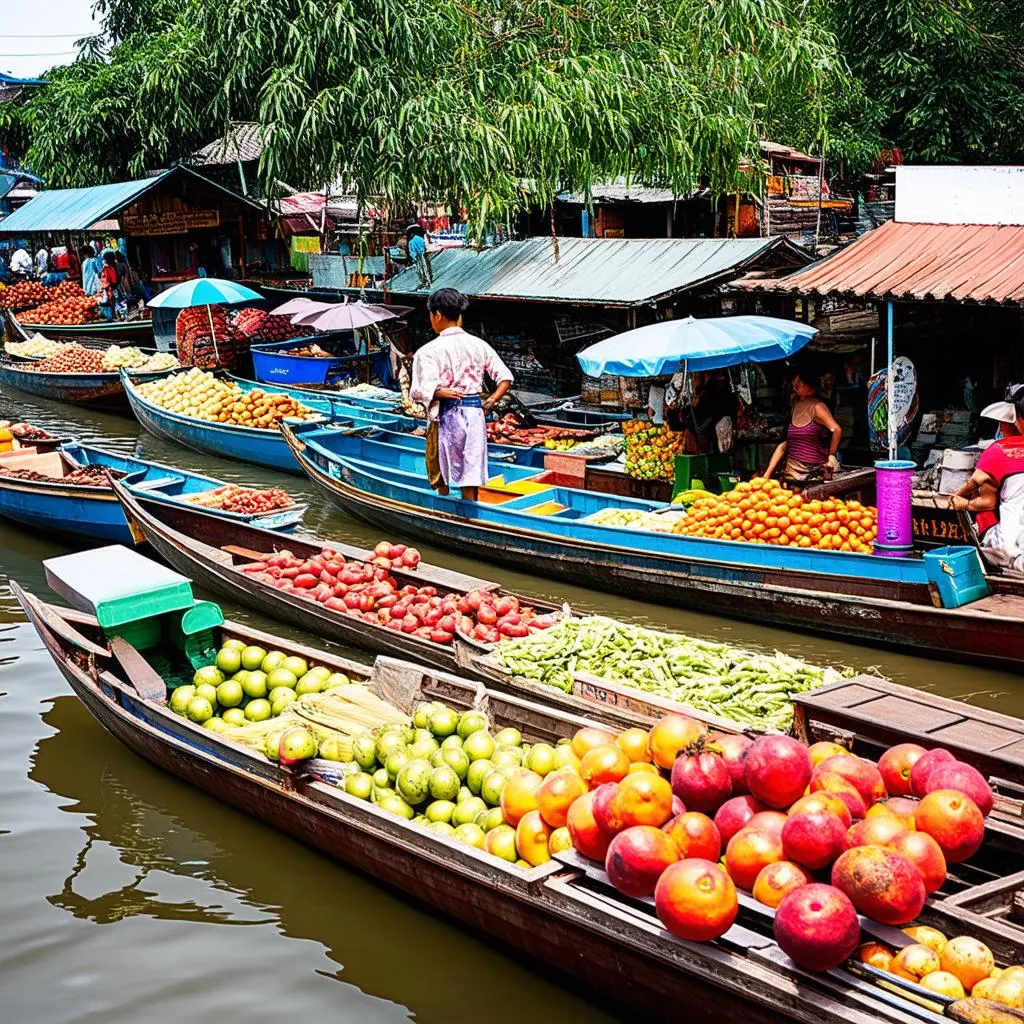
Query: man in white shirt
(42,261)
(21,263)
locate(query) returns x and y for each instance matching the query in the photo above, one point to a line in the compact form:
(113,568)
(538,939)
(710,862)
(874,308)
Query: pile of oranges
(764,512)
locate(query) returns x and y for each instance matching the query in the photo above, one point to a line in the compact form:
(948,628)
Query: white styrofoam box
(953,459)
(951,480)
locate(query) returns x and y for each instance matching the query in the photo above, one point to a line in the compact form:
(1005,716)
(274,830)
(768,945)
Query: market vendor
(812,437)
(995,491)
(447,379)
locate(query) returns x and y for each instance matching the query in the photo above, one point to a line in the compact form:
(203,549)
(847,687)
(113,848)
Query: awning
(80,209)
(593,271)
(918,262)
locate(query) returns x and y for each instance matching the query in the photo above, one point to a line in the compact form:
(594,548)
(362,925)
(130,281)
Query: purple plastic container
(895,524)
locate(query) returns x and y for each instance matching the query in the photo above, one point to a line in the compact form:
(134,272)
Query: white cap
(1004,412)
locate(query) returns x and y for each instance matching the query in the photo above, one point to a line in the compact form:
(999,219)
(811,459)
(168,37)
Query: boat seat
(154,485)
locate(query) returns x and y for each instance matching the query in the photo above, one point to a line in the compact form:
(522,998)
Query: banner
(172,222)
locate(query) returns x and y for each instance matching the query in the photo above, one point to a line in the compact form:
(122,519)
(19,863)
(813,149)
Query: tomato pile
(245,500)
(67,304)
(71,358)
(765,512)
(369,591)
(509,430)
(23,295)
(257,323)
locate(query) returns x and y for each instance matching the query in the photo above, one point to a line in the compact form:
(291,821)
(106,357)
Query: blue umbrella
(709,344)
(203,291)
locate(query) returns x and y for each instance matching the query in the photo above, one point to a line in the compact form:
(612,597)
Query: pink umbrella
(347,316)
(295,306)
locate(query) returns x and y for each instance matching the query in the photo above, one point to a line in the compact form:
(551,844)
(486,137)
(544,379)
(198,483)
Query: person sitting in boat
(447,379)
(995,491)
(812,438)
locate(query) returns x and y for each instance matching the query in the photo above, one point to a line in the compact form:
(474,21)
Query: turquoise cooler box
(958,574)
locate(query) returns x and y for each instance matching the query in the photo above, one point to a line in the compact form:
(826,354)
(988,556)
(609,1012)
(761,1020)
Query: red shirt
(1000,460)
(108,279)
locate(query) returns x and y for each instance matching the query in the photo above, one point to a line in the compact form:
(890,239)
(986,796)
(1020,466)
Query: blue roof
(11,80)
(78,209)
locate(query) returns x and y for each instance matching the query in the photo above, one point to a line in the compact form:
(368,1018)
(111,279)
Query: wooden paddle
(148,683)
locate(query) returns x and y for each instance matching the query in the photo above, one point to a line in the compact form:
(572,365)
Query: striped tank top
(808,444)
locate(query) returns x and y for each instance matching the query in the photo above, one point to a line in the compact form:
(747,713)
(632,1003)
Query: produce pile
(132,358)
(633,519)
(37,347)
(765,512)
(753,689)
(195,339)
(67,304)
(605,444)
(953,967)
(369,591)
(257,323)
(371,391)
(651,450)
(245,500)
(691,496)
(26,432)
(71,358)
(784,815)
(203,396)
(23,295)
(509,430)
(85,476)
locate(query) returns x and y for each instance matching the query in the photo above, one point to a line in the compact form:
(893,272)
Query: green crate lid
(117,585)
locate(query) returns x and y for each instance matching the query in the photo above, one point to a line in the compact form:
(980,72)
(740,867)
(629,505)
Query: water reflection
(178,855)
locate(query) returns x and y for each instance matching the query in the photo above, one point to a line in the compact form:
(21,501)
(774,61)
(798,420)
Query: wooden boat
(245,444)
(562,913)
(524,521)
(94,390)
(276,362)
(93,512)
(111,331)
(210,551)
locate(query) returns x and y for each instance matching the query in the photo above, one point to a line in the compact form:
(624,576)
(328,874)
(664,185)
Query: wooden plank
(910,714)
(844,695)
(146,680)
(982,735)
(248,554)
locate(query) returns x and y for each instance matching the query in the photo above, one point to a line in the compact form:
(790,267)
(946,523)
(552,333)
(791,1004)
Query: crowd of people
(101,269)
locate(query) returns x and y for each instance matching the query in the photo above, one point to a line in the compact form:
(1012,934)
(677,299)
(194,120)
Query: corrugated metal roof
(243,141)
(76,209)
(79,209)
(619,192)
(590,271)
(940,262)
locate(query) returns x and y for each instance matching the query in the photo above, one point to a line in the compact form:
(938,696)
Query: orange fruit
(643,768)
(824,749)
(915,961)
(644,799)
(589,737)
(560,840)
(1009,992)
(606,763)
(930,937)
(532,837)
(670,735)
(556,794)
(875,955)
(776,881)
(944,984)
(967,959)
(519,795)
(633,742)
(983,990)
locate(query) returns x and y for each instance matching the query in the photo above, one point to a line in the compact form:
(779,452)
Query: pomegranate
(701,780)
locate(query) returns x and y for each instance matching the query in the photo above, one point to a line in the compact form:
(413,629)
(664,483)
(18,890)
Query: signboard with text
(170,222)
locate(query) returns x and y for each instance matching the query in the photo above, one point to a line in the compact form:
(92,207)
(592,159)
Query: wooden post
(821,181)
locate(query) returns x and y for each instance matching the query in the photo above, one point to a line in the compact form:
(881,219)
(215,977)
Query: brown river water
(129,896)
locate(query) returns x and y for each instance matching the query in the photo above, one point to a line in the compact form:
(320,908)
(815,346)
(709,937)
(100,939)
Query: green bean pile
(755,690)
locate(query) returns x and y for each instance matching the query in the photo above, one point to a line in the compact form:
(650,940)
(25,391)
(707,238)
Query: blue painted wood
(93,513)
(273,361)
(100,389)
(405,484)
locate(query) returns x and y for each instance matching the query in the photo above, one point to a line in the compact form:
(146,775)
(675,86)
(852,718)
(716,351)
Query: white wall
(960,195)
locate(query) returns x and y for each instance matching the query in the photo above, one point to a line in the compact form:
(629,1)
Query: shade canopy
(295,306)
(709,344)
(347,316)
(203,291)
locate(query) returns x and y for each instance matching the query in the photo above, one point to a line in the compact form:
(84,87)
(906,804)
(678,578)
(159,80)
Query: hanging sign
(170,222)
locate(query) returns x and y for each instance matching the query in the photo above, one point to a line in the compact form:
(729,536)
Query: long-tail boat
(47,501)
(563,912)
(522,520)
(93,390)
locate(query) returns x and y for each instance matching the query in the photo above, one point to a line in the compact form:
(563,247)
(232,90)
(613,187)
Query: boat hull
(95,390)
(89,513)
(760,595)
(107,330)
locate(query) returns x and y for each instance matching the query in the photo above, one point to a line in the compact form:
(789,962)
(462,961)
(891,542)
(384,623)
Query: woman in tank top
(812,437)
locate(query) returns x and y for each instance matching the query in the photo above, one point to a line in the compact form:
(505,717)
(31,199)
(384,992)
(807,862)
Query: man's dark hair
(449,302)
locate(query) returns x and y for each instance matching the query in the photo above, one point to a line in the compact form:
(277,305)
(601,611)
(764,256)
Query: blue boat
(92,512)
(275,362)
(526,522)
(259,446)
(95,390)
